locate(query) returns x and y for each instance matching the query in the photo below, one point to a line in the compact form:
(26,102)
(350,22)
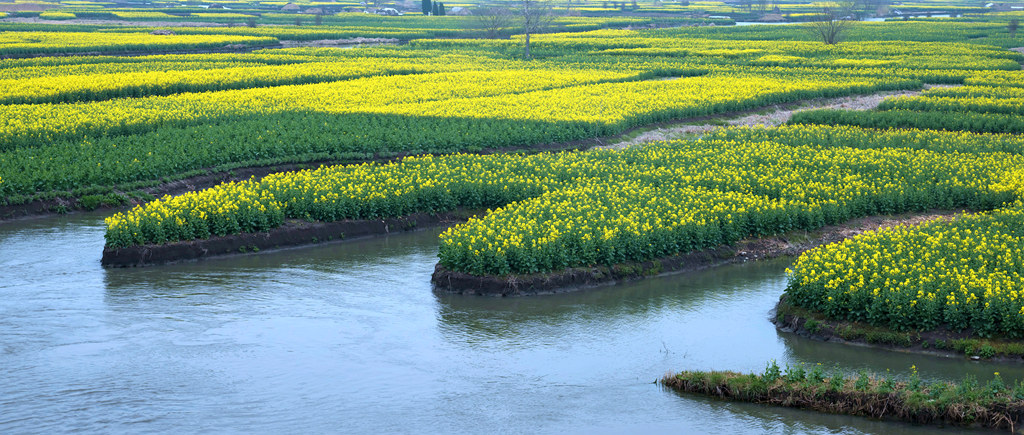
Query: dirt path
(775,116)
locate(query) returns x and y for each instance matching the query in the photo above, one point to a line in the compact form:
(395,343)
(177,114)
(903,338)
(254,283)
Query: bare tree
(762,7)
(833,20)
(535,16)
(1012,27)
(493,19)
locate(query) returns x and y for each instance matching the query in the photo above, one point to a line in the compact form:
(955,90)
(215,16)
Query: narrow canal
(350,337)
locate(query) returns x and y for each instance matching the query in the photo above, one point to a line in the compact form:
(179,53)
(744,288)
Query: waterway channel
(349,337)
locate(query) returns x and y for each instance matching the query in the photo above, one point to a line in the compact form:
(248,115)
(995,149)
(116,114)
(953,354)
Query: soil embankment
(789,244)
(292,233)
(939,342)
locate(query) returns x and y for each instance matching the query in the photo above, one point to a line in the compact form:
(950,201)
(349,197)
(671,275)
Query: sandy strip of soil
(777,116)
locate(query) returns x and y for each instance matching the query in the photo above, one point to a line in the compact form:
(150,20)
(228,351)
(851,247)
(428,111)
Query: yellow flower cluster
(1008,104)
(859,54)
(221,15)
(996,78)
(229,209)
(69,67)
(57,16)
(119,84)
(967,273)
(634,103)
(696,196)
(63,42)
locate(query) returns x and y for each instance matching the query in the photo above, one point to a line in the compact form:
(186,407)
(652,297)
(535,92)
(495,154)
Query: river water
(349,337)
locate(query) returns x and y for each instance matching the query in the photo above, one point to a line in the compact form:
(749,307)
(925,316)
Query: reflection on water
(350,337)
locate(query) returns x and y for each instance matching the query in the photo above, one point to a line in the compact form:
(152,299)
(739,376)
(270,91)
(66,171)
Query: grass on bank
(992,405)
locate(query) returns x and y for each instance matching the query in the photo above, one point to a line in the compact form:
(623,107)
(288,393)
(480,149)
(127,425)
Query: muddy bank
(292,233)
(450,281)
(789,244)
(964,405)
(940,342)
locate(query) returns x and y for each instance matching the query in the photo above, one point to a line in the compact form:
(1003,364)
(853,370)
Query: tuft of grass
(93,202)
(992,405)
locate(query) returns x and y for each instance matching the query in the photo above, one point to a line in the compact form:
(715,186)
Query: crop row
(888,54)
(47,80)
(999,91)
(613,107)
(963,121)
(260,140)
(867,138)
(921,31)
(696,196)
(805,47)
(28,69)
(995,105)
(35,67)
(69,89)
(33,124)
(22,43)
(1001,78)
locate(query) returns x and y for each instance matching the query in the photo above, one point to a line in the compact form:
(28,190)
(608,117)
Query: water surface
(350,337)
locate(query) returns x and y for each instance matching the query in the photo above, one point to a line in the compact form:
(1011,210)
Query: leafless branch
(834,19)
(494,19)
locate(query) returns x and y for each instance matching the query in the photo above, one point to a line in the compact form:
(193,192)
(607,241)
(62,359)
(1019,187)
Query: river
(349,337)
